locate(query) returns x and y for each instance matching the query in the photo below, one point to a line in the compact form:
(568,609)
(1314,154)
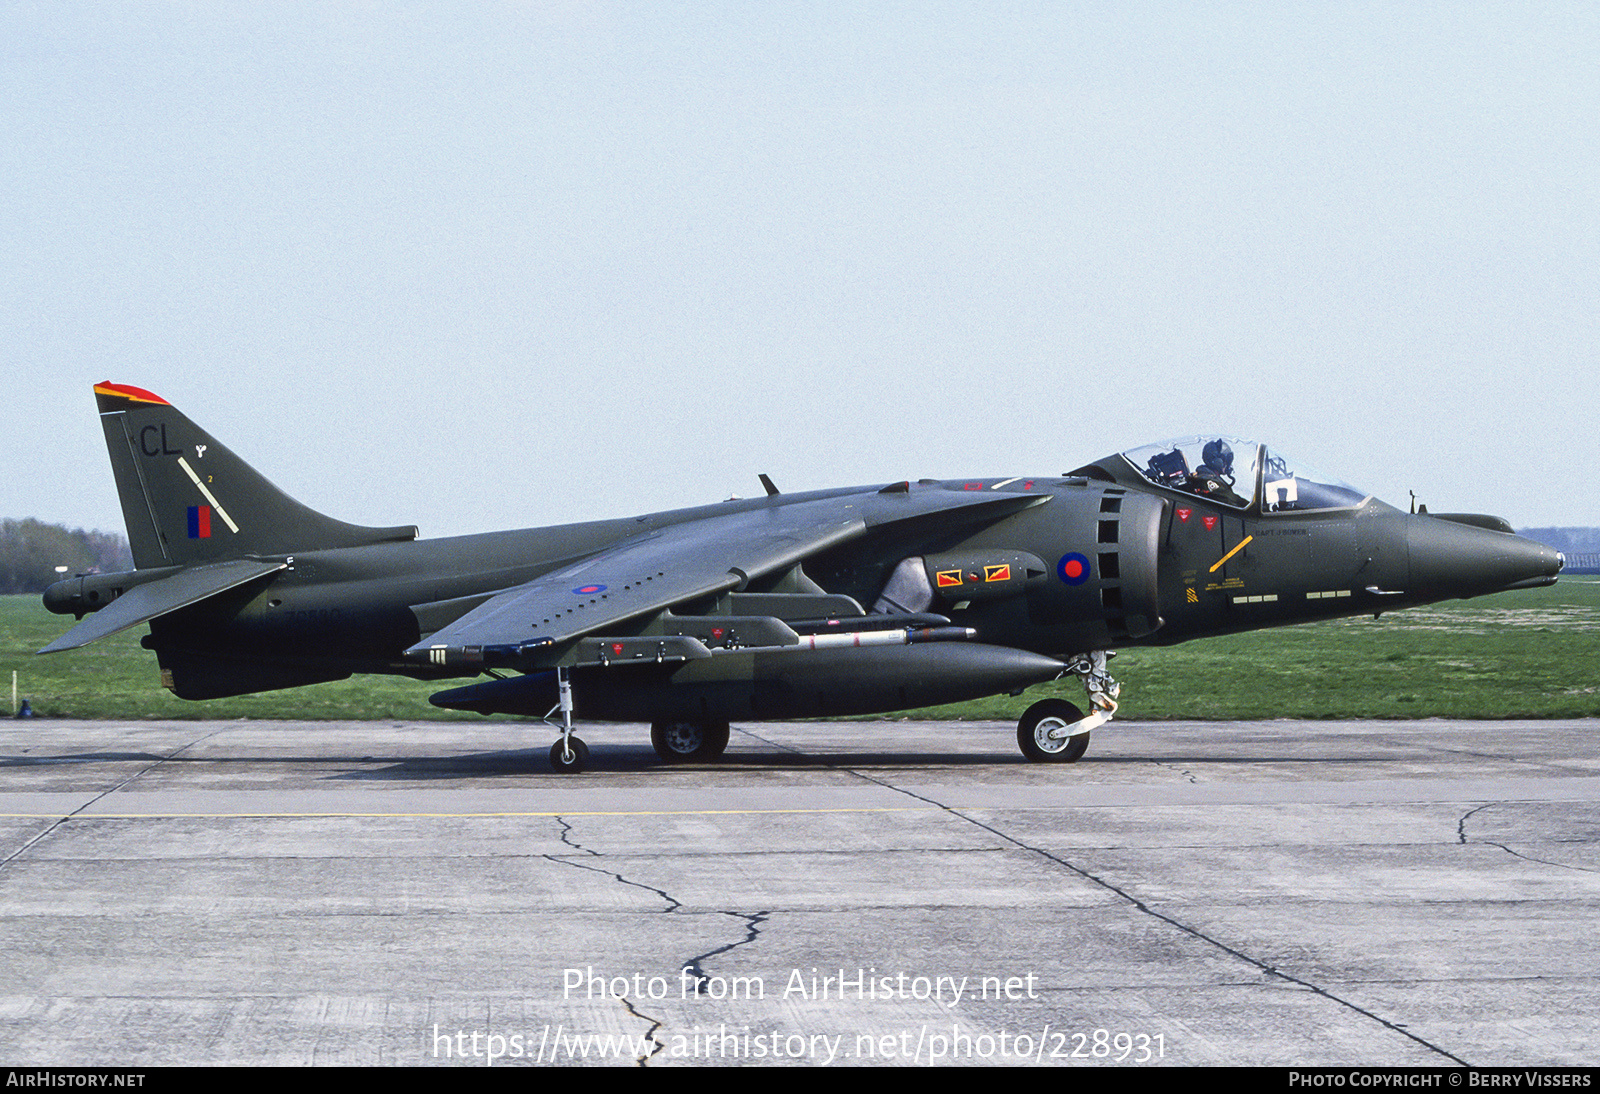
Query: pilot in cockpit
(1214,477)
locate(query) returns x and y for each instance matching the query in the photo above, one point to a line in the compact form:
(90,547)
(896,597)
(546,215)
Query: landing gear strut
(689,742)
(1055,731)
(569,755)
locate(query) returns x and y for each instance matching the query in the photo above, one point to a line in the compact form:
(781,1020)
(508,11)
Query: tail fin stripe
(215,504)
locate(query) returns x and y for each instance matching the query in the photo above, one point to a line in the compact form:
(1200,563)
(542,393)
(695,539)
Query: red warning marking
(1185,514)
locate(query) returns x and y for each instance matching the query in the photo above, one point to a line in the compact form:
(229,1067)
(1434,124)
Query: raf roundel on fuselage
(1236,472)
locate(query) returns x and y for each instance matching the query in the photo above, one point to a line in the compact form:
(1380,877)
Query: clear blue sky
(499,265)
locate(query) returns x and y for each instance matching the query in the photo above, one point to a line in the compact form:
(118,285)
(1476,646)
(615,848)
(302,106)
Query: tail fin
(186,499)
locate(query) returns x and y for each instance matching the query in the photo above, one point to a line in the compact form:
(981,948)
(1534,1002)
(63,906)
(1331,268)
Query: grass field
(1530,654)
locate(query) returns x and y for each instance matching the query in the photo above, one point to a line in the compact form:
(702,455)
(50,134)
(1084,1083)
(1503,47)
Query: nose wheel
(1053,731)
(1041,734)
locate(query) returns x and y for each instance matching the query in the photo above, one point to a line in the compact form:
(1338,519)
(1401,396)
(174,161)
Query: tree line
(31,551)
(1570,540)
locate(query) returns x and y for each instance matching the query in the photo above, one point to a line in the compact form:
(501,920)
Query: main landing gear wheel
(1033,733)
(569,763)
(689,742)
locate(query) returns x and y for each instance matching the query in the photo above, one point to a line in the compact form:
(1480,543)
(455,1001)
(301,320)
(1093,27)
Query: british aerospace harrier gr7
(855,600)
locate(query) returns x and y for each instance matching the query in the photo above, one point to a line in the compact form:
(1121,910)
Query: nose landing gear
(1053,731)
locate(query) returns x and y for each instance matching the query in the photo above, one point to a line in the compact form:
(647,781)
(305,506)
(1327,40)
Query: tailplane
(187,499)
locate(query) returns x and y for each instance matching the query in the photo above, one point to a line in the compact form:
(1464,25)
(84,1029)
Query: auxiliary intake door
(1129,543)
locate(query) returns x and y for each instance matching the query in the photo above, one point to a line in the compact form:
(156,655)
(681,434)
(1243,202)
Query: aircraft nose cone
(1449,559)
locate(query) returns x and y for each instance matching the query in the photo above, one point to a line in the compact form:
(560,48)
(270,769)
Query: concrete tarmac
(1288,893)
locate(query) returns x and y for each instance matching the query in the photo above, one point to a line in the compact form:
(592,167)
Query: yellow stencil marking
(1236,549)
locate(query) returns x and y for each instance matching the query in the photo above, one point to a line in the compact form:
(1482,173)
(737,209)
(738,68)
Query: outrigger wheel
(689,742)
(1033,733)
(569,762)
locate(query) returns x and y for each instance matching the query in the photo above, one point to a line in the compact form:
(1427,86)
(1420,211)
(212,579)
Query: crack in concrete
(1196,933)
(650,1034)
(1461,825)
(672,903)
(1181,771)
(1542,765)
(1142,907)
(566,830)
(752,922)
(1461,837)
(1541,861)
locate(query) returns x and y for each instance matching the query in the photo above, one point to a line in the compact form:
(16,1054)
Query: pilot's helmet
(1218,456)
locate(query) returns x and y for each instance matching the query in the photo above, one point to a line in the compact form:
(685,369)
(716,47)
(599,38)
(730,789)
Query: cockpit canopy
(1234,472)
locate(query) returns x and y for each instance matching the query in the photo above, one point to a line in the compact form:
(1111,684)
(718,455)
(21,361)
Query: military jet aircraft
(848,601)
